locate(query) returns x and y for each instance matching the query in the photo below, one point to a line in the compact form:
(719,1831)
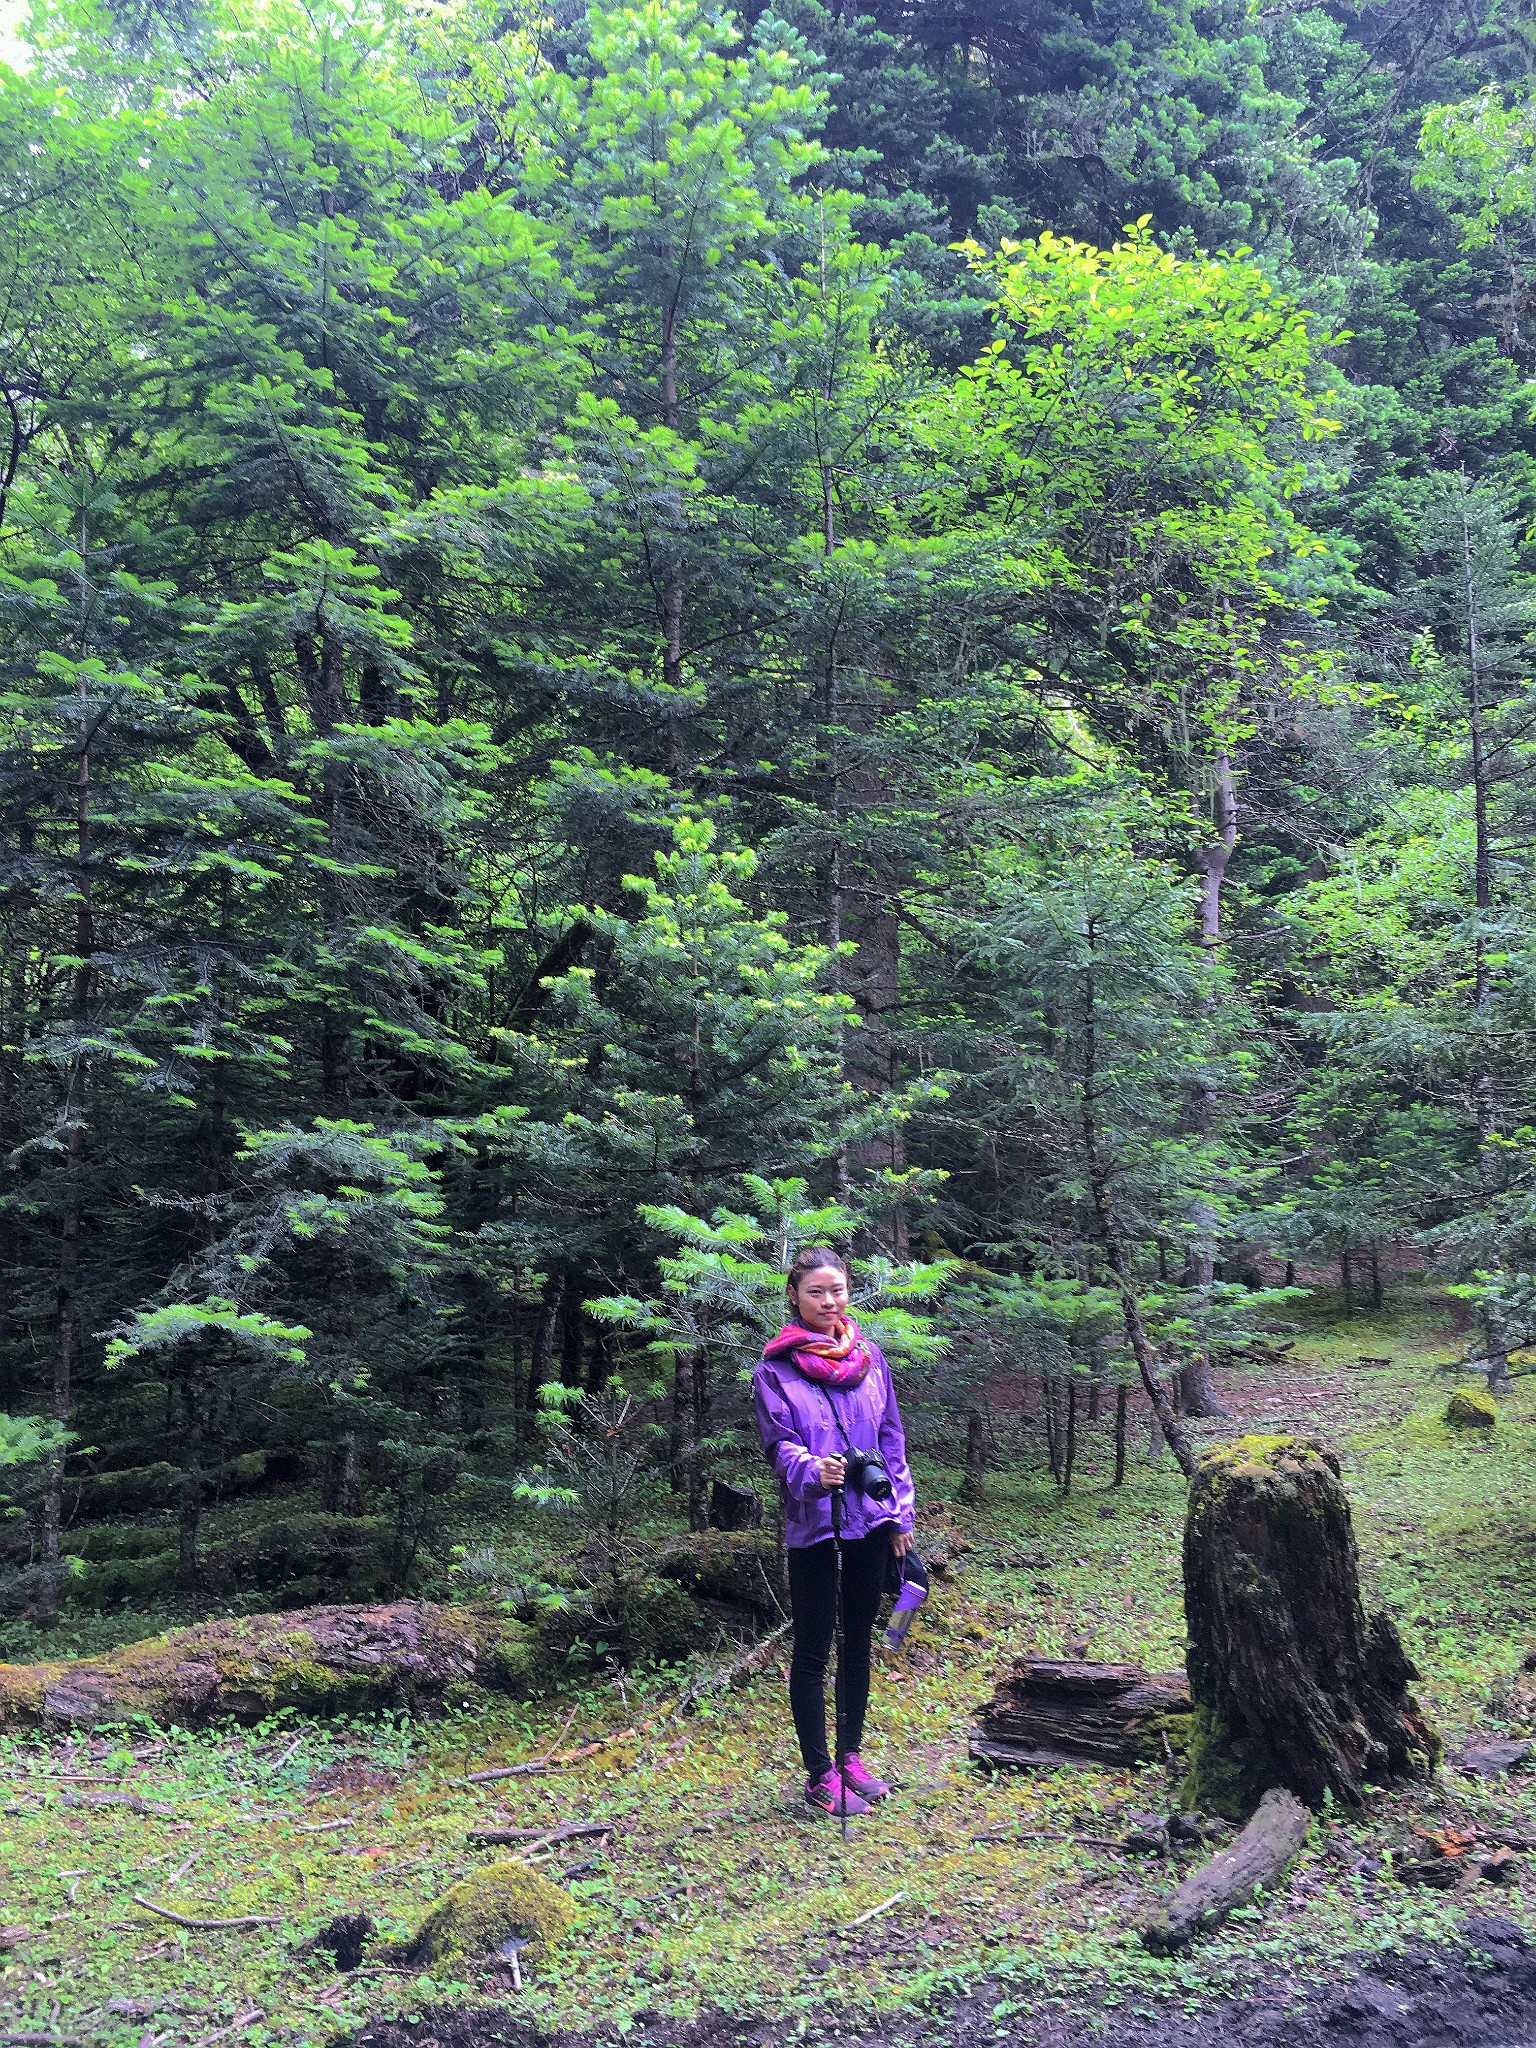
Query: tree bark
(1484,1104)
(320,1660)
(1122,1403)
(1054,1710)
(1113,1244)
(66,1328)
(1197,1388)
(974,1485)
(1293,1684)
(194,1401)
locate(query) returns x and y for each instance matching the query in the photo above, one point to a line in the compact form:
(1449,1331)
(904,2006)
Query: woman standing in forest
(826,1412)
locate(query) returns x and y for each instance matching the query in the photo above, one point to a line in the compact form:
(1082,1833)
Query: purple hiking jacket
(795,1422)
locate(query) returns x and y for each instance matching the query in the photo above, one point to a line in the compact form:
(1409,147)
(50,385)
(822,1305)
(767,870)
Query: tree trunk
(699,1426)
(974,1485)
(1197,1389)
(542,1364)
(1484,1104)
(1347,1283)
(321,1660)
(342,1493)
(66,1328)
(1049,1423)
(1377,1298)
(1069,1456)
(1122,1404)
(194,1410)
(1113,1244)
(1293,1684)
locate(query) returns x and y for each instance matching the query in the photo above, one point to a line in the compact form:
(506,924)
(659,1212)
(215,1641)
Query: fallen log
(1262,1853)
(1050,1711)
(320,1660)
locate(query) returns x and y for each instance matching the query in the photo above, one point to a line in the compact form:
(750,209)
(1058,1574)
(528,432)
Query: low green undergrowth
(716,1888)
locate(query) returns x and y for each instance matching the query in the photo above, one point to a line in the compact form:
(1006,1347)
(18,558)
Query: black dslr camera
(865,1471)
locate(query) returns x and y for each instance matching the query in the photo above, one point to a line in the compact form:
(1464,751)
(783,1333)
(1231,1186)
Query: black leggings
(813,1605)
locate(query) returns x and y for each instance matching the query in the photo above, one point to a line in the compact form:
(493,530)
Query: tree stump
(1293,1684)
(733,1507)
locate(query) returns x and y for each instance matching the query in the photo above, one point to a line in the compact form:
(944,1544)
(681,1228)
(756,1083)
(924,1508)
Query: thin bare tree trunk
(1197,1387)
(1485,1106)
(1113,1244)
(66,1329)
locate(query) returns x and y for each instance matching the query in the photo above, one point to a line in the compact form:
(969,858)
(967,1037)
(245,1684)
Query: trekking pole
(835,1501)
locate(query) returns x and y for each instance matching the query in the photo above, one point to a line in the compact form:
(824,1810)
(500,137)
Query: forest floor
(721,1911)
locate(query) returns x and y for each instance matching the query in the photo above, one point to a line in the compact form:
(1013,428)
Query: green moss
(1215,1782)
(1471,1408)
(489,1907)
(742,1567)
(350,1556)
(632,1621)
(512,1660)
(115,1580)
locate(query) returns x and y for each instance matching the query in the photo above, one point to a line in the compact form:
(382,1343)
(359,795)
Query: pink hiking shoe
(865,1783)
(826,1795)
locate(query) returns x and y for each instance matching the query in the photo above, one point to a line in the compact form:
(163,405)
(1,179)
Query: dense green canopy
(933,608)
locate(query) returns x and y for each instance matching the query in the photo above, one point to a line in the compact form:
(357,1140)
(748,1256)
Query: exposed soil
(1481,1996)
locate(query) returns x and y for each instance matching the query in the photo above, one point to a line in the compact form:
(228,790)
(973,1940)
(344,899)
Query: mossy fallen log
(1049,1711)
(1260,1856)
(1293,1683)
(321,1661)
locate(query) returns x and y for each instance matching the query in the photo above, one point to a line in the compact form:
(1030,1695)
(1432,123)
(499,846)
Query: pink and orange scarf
(840,1360)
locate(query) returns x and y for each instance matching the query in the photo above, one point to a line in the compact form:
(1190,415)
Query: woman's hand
(830,1472)
(901,1542)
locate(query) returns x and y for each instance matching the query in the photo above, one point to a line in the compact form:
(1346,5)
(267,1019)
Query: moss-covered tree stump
(321,1660)
(1293,1683)
(1471,1408)
(504,1909)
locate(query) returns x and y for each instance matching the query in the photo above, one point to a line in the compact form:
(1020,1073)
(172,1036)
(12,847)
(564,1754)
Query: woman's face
(821,1298)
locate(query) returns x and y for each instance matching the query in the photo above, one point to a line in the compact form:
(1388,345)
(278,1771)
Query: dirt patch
(1480,1996)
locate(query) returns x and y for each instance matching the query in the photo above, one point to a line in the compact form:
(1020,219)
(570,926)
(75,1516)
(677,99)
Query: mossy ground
(717,1889)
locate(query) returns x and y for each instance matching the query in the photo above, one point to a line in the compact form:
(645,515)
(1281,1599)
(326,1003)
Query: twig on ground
(540,1838)
(246,2019)
(537,1763)
(553,1759)
(723,1679)
(1045,1835)
(874,1912)
(288,1752)
(207,1926)
(323,1827)
(41,2040)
